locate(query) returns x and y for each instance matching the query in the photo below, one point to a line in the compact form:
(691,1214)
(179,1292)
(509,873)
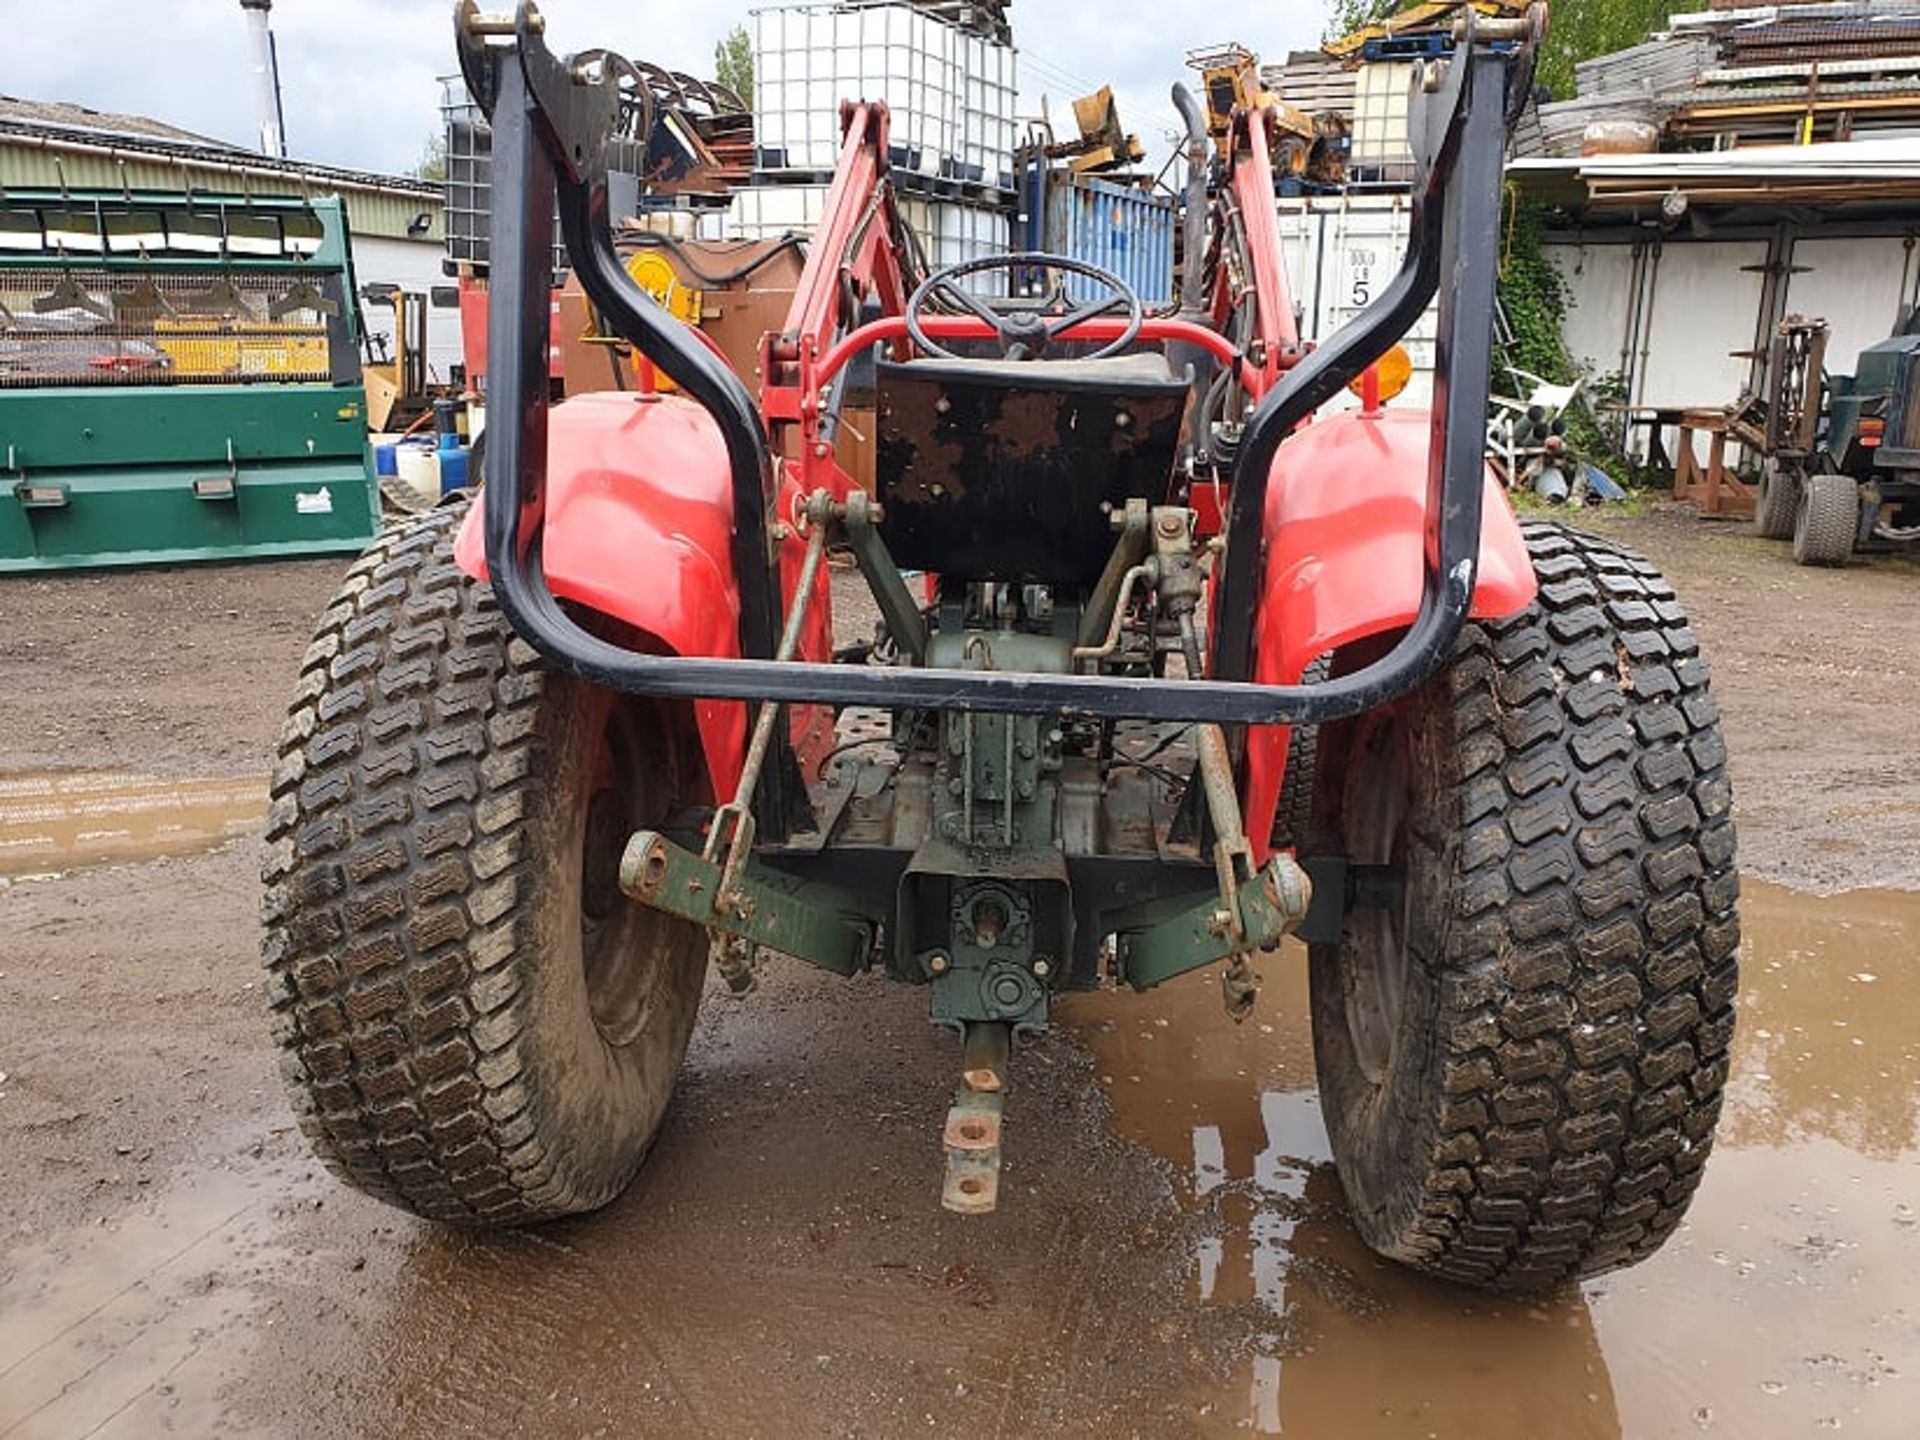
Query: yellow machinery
(396,373)
(1428,15)
(653,272)
(1230,81)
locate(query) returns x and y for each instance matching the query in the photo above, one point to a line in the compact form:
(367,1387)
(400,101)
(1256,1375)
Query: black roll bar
(550,123)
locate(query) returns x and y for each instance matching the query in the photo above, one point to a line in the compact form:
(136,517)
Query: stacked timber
(1744,75)
(1313,82)
(1801,74)
(1655,68)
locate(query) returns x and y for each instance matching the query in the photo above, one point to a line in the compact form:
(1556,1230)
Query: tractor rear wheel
(1521,1059)
(475,1023)
(1827,521)
(1294,813)
(1779,500)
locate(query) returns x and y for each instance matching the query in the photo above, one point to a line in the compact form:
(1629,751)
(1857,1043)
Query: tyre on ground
(1779,501)
(1827,520)
(475,1024)
(1521,1061)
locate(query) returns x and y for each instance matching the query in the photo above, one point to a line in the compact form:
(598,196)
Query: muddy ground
(1170,1257)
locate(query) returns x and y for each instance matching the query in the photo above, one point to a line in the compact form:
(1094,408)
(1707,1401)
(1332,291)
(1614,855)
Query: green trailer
(179,381)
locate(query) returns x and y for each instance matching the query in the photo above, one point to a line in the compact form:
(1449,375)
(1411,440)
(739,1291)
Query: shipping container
(950,93)
(1341,250)
(1124,230)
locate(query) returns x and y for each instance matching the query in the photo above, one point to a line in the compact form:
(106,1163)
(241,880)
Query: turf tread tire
(433,1053)
(1293,815)
(1827,520)
(1779,502)
(1563,1041)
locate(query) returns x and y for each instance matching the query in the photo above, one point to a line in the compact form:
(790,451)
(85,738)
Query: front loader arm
(1460,152)
(550,122)
(855,253)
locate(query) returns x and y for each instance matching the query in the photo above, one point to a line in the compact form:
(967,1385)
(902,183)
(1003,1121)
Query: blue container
(1124,230)
(453,468)
(386,458)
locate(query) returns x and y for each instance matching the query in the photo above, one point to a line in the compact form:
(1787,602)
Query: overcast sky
(359,76)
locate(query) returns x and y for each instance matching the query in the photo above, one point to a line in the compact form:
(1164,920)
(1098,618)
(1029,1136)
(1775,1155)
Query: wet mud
(55,822)
(781,1268)
(1786,1305)
(1171,1256)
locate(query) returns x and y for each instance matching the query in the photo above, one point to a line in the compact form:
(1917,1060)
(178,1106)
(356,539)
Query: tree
(1346,16)
(433,159)
(733,63)
(1581,29)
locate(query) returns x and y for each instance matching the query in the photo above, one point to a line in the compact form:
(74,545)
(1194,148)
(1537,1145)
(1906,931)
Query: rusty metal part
(985,1055)
(1118,624)
(484,24)
(973,1124)
(733,822)
(971,1135)
(973,1182)
(734,956)
(1469,25)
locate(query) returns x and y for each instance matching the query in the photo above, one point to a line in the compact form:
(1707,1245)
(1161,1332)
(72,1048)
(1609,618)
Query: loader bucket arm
(550,122)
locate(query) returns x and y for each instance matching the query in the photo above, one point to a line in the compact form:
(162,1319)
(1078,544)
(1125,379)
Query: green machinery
(179,380)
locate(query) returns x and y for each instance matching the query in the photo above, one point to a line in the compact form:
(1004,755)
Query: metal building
(398,236)
(1678,268)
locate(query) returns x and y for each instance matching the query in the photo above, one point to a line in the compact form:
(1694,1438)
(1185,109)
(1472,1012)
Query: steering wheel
(1025,334)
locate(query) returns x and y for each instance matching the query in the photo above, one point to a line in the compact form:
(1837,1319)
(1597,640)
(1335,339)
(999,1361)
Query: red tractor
(1198,668)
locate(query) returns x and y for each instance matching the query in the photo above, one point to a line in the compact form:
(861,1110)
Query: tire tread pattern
(1827,521)
(1591,961)
(397,849)
(1779,499)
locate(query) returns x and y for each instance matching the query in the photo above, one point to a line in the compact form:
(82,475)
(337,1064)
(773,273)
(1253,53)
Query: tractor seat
(1008,469)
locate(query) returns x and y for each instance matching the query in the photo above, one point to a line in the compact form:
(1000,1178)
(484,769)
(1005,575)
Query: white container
(416,488)
(932,76)
(1382,100)
(1341,251)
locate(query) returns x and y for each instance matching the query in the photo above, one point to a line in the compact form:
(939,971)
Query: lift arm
(550,124)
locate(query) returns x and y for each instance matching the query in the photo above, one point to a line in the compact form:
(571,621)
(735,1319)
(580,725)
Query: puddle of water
(1784,1306)
(134,1329)
(65,820)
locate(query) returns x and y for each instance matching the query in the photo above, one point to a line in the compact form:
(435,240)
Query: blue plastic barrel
(453,468)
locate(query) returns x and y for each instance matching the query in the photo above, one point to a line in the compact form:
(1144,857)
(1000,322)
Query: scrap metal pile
(676,135)
(1309,148)
(1725,78)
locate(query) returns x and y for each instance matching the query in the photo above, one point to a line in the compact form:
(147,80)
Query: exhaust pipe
(1199,161)
(266,78)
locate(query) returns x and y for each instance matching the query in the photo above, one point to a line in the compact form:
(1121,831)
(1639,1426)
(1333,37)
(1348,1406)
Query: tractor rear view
(1195,671)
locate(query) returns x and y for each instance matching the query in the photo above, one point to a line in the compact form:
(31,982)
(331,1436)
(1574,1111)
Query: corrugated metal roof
(65,116)
(48,144)
(1862,159)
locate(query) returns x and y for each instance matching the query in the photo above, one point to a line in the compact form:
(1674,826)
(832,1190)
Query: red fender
(1345,530)
(639,524)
